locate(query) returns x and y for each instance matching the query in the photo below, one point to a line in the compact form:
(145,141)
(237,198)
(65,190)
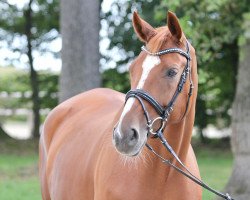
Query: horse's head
(158,75)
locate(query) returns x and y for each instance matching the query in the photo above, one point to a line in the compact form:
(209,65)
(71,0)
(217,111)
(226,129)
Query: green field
(19,170)
(215,168)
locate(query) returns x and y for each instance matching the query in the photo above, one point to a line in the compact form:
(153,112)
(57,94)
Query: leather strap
(164,112)
(184,172)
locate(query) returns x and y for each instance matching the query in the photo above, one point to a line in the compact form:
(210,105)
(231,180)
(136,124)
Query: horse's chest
(132,191)
(128,185)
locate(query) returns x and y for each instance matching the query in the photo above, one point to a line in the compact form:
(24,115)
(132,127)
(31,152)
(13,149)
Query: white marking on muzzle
(126,109)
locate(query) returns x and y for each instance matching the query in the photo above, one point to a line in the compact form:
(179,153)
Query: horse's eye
(171,73)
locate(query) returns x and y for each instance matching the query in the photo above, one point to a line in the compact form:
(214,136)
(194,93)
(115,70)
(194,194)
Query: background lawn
(215,166)
(19,169)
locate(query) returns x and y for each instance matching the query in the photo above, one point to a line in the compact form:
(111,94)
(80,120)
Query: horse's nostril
(127,141)
(134,135)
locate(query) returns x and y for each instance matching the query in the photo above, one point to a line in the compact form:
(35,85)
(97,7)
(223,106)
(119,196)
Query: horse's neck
(179,137)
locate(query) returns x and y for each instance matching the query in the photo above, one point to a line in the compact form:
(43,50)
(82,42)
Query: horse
(93,145)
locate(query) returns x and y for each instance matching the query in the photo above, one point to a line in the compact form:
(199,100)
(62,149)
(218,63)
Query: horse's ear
(143,29)
(174,25)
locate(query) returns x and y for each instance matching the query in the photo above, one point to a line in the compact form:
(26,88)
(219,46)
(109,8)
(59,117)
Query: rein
(164,113)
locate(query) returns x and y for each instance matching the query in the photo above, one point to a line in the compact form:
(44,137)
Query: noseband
(164,113)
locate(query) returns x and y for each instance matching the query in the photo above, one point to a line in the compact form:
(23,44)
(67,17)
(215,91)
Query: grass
(19,169)
(215,166)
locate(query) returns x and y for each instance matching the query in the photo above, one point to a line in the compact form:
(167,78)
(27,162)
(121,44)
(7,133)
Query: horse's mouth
(134,154)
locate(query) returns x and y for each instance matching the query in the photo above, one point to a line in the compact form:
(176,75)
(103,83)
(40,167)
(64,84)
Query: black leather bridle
(164,113)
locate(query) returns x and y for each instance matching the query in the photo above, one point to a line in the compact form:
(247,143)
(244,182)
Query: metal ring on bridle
(150,125)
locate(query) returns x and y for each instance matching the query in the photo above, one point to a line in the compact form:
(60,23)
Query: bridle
(164,113)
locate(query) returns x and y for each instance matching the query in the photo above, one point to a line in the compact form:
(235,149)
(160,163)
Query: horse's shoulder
(52,122)
(102,94)
(88,99)
(99,97)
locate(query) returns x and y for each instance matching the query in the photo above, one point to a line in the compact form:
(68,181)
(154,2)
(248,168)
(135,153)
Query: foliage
(16,91)
(49,89)
(117,81)
(213,28)
(123,41)
(12,79)
(45,26)
(13,82)
(26,30)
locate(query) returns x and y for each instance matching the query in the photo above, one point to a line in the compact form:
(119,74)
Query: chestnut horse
(92,146)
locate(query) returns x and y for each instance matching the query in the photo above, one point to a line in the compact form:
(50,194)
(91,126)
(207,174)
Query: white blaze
(148,64)
(126,108)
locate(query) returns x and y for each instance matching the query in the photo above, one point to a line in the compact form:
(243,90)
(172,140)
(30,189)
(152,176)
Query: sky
(46,61)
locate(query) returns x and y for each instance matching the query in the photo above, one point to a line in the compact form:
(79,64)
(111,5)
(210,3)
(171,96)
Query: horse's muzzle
(126,141)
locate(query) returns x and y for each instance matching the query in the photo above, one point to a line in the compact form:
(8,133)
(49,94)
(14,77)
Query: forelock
(157,41)
(163,35)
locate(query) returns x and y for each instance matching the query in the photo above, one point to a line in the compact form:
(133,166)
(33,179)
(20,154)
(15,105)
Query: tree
(33,74)
(33,24)
(80,26)
(15,89)
(239,183)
